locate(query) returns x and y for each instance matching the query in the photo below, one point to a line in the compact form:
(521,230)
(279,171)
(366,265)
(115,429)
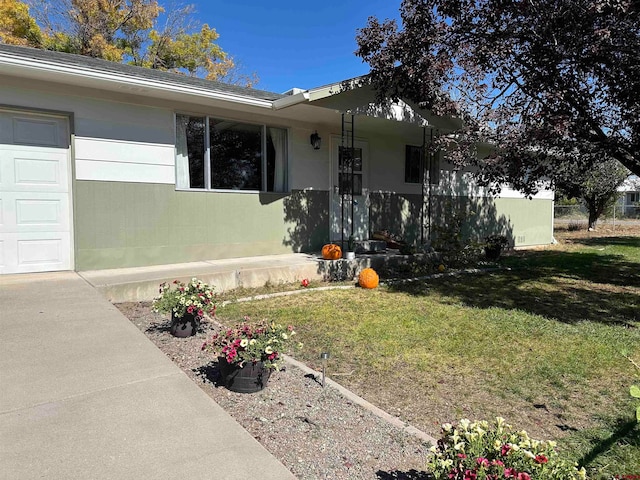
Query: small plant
(195,298)
(480,450)
(351,244)
(493,246)
(448,238)
(251,343)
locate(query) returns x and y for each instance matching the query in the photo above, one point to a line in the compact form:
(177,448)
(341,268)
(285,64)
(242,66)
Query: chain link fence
(579,214)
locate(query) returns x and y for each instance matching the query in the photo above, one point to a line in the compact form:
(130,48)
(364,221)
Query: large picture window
(217,154)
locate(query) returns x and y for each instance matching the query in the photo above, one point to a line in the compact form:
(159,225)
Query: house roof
(78,70)
(18,56)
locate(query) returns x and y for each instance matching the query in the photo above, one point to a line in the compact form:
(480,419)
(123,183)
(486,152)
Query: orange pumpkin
(368,278)
(331,251)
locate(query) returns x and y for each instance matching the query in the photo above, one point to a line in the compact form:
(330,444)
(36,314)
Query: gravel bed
(315,432)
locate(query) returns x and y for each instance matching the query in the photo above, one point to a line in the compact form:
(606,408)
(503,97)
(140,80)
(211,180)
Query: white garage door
(35,194)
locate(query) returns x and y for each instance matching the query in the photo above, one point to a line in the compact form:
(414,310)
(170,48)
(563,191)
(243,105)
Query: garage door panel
(28,169)
(34,212)
(34,252)
(35,200)
(36,131)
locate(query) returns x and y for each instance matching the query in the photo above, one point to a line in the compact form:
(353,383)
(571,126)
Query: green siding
(121,224)
(525,222)
(134,224)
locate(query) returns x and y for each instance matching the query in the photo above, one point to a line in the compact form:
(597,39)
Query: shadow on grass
(398,475)
(602,241)
(567,286)
(625,432)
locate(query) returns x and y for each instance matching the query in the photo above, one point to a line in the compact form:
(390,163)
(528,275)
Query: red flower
(523,476)
(483,462)
(470,475)
(200,313)
(505,449)
(541,459)
(305,282)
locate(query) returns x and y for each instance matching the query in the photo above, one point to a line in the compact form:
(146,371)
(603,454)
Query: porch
(141,283)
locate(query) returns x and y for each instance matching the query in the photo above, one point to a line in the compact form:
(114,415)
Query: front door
(350,192)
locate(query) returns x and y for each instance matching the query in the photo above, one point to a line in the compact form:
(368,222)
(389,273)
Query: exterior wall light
(315,140)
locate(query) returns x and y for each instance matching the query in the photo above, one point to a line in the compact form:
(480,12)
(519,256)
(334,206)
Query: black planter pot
(251,378)
(493,252)
(184,326)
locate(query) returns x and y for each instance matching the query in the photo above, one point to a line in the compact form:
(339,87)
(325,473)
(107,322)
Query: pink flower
(497,462)
(190,309)
(523,476)
(505,449)
(200,313)
(510,472)
(462,455)
(470,475)
(483,462)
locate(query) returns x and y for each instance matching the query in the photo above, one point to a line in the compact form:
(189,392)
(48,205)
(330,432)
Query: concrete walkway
(85,395)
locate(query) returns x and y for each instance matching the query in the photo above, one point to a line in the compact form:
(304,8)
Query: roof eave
(88,77)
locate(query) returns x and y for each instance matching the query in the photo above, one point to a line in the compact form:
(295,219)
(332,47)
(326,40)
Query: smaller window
(414,166)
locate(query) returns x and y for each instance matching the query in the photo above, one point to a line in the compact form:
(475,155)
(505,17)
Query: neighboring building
(105,165)
(629,202)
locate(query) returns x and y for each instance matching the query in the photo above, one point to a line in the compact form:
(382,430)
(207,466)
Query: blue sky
(293,44)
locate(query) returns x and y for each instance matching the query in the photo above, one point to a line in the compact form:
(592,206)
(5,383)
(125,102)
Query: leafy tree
(596,187)
(139,32)
(547,82)
(17,27)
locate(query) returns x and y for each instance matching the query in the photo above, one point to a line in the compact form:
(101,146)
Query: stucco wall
(525,222)
(124,224)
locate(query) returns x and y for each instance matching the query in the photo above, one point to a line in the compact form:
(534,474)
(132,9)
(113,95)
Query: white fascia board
(291,100)
(46,70)
(312,95)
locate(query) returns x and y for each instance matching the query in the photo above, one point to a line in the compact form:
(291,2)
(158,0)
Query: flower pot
(184,326)
(251,378)
(493,252)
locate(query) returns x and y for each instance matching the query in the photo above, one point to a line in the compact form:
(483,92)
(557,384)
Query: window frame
(207,154)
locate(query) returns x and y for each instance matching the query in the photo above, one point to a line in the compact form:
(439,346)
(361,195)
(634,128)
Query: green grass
(542,344)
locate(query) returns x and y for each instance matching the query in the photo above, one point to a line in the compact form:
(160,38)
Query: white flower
(253,341)
(284,336)
(244,342)
(268,350)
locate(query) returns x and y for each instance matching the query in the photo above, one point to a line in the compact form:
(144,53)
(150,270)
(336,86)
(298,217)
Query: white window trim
(207,153)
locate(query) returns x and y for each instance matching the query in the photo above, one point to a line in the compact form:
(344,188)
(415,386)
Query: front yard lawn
(545,343)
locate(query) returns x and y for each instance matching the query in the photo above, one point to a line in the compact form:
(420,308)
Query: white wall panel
(124,172)
(104,150)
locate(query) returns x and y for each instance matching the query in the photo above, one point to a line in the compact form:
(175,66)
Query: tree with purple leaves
(551,85)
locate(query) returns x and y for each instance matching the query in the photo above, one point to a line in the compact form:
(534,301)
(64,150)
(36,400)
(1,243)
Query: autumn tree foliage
(139,32)
(552,84)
